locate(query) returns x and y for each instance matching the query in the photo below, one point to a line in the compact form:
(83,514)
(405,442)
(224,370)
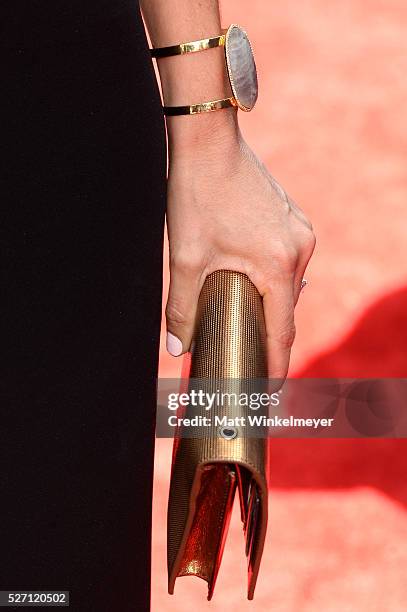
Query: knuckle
(278,373)
(175,313)
(286,336)
(309,242)
(285,257)
(185,262)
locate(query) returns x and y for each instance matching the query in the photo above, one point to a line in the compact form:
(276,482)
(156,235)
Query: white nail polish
(174,345)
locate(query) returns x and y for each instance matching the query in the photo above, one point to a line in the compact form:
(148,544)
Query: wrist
(214,132)
(191,79)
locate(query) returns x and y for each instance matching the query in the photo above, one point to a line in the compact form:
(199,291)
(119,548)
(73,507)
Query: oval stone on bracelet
(241,67)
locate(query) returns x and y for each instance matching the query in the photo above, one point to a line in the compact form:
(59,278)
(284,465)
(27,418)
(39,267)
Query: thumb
(181,309)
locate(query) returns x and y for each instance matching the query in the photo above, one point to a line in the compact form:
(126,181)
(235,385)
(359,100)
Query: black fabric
(82,212)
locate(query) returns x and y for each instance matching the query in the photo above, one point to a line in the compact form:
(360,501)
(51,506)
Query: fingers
(278,303)
(299,284)
(307,250)
(181,308)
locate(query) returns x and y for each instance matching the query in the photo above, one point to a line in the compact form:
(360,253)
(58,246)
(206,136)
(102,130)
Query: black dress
(83,192)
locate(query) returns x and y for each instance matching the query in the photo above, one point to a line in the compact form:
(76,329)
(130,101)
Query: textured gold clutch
(229,353)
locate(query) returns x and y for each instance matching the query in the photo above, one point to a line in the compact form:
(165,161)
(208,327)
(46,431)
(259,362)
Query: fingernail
(174,345)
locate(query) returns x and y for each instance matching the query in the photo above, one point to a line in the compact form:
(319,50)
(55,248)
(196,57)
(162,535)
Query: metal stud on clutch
(229,355)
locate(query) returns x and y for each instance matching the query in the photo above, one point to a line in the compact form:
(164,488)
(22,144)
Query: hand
(225,211)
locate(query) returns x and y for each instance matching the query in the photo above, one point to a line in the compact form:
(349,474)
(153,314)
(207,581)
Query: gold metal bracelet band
(203,107)
(190,47)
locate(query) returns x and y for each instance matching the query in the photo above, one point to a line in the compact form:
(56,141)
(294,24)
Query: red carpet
(331,126)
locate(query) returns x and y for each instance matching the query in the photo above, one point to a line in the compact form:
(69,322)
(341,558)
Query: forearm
(193,77)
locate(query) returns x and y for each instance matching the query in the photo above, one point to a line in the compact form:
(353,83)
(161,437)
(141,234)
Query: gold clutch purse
(229,353)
